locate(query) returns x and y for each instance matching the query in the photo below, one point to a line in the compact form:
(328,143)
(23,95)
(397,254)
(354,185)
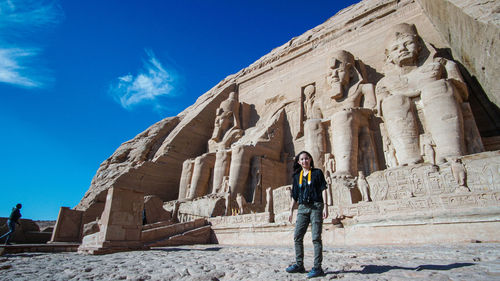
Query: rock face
(471,28)
(373,94)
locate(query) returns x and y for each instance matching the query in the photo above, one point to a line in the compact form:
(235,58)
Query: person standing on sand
(14,217)
(309,189)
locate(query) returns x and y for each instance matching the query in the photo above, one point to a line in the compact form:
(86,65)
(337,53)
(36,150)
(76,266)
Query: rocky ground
(474,261)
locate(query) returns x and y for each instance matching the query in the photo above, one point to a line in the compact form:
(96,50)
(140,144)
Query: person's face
(340,72)
(403,51)
(305,161)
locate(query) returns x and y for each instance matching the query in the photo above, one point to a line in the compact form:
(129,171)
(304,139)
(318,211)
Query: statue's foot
(462,189)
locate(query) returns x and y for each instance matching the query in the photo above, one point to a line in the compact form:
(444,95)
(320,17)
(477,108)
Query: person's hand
(325,212)
(290,217)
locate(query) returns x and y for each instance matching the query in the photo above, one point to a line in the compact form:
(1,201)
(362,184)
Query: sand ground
(474,261)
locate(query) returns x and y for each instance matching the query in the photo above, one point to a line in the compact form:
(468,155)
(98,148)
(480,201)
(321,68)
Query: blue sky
(78,78)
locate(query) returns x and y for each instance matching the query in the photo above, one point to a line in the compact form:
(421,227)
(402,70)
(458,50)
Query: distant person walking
(308,189)
(14,217)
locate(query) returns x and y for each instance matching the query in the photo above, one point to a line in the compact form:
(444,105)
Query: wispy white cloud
(150,83)
(21,23)
(11,67)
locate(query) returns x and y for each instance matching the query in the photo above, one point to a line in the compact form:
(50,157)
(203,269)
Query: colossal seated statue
(347,106)
(349,103)
(231,153)
(196,173)
(420,94)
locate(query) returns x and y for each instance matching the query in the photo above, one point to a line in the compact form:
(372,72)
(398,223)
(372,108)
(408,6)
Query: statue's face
(340,73)
(403,51)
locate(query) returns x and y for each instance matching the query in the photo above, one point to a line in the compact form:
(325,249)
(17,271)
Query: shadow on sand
(212,249)
(370,269)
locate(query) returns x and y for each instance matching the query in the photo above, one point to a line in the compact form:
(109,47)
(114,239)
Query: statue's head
(309,91)
(233,96)
(340,67)
(402,45)
(19,206)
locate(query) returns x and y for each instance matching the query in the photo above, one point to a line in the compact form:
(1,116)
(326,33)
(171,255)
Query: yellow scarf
(308,177)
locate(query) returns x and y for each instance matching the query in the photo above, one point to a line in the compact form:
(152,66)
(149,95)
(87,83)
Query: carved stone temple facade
(397,101)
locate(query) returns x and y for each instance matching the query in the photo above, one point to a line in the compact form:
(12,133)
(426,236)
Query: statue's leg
(201,175)
(402,128)
(345,127)
(221,169)
(186,175)
(443,119)
(239,169)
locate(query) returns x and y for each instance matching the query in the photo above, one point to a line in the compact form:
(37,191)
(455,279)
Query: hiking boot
(315,272)
(295,268)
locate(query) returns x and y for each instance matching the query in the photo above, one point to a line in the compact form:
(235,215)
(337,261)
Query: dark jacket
(306,193)
(15,215)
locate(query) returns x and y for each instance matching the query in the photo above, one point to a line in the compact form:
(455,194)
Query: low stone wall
(433,227)
(27,232)
(68,227)
(153,234)
(419,204)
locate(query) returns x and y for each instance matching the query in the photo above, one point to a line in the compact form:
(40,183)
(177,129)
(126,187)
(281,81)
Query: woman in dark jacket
(309,189)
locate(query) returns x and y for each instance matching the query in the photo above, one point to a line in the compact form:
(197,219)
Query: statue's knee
(343,116)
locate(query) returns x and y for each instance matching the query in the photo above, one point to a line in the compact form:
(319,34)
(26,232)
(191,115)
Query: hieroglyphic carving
(344,191)
(282,198)
(480,172)
(241,219)
(423,204)
(483,171)
(405,182)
